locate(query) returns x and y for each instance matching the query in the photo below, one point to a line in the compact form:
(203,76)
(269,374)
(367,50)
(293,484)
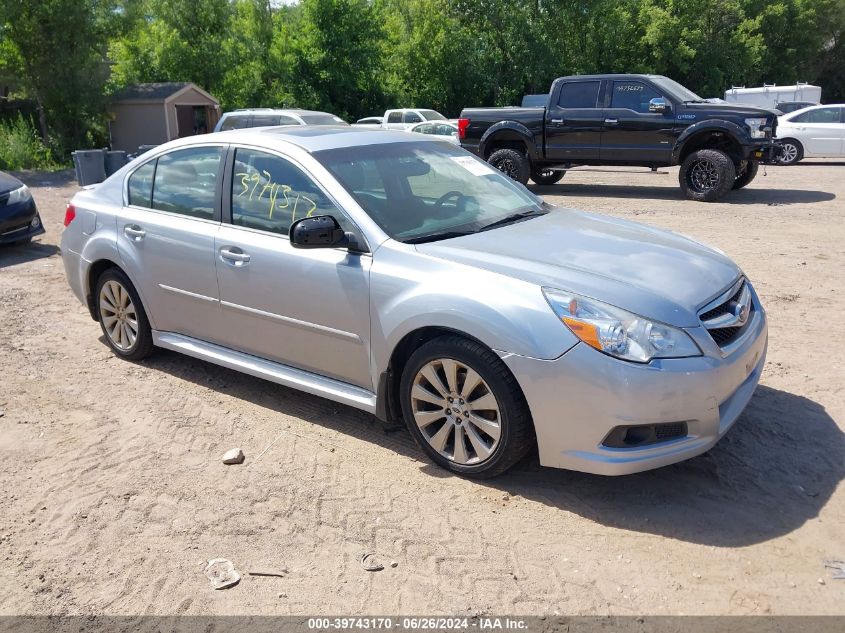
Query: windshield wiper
(695,101)
(433,237)
(514,217)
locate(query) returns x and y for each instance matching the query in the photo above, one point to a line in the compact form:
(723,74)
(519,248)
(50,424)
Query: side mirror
(659,105)
(321,231)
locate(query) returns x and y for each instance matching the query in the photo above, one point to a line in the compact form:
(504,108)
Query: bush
(21,147)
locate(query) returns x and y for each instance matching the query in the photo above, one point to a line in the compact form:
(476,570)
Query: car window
(445,130)
(322,118)
(186,181)
(411,117)
(632,95)
(269,193)
(432,115)
(261,120)
(394,117)
(141,185)
(425,128)
(819,115)
(234,122)
(287,120)
(579,94)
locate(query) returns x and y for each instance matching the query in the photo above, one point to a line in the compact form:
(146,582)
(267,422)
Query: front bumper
(577,399)
(765,153)
(19,222)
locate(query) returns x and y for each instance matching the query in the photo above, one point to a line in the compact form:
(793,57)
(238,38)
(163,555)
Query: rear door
(304,308)
(574,121)
(166,237)
(632,134)
(821,131)
(393,120)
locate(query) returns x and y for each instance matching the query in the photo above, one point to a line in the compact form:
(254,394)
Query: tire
(747,174)
(706,175)
(511,163)
(547,176)
(792,151)
(493,405)
(116,300)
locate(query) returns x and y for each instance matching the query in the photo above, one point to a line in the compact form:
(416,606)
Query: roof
(277,110)
(318,138)
(162,91)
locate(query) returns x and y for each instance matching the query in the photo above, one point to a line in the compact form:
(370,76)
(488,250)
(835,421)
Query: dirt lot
(113,494)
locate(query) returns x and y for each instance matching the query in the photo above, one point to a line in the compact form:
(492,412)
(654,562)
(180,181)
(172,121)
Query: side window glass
(632,95)
(412,117)
(395,117)
(263,120)
(579,94)
(824,115)
(804,117)
(424,129)
(269,193)
(287,120)
(186,181)
(141,185)
(446,130)
(234,122)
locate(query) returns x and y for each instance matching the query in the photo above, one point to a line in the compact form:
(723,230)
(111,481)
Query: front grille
(668,431)
(644,435)
(729,317)
(15,229)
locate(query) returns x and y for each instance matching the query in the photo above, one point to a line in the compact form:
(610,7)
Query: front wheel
(464,407)
(122,317)
(747,173)
(706,175)
(547,176)
(511,163)
(791,152)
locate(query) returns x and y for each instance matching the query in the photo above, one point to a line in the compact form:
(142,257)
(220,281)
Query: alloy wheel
(703,176)
(456,411)
(118,314)
(788,154)
(509,168)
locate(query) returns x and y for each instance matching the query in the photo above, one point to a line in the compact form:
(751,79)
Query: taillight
(463,124)
(70,213)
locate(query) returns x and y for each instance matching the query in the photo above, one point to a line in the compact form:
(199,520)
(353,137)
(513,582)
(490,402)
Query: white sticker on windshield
(475,167)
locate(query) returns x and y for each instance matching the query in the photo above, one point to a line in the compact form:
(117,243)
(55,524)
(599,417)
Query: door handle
(234,256)
(557,121)
(134,232)
(611,121)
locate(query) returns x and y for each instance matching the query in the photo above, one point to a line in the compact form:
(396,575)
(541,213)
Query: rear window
(234,122)
(432,115)
(579,94)
(322,118)
(394,117)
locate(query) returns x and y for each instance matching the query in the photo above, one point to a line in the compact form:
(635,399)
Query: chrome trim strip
(186,293)
(723,297)
(268,370)
(294,322)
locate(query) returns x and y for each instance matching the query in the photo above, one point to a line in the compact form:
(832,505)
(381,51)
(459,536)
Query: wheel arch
(93,272)
(508,135)
(722,135)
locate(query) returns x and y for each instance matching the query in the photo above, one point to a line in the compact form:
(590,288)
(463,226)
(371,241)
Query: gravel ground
(113,495)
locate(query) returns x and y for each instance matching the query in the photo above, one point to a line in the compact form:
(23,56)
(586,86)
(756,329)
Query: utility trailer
(768,96)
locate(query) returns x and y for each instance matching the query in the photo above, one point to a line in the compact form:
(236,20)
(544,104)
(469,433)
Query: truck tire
(511,163)
(547,176)
(706,175)
(791,151)
(746,174)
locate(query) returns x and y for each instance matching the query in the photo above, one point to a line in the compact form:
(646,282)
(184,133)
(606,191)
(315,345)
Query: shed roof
(150,92)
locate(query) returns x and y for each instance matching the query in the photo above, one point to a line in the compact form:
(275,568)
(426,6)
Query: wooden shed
(151,114)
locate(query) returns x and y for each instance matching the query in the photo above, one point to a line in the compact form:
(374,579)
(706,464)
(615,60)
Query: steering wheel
(448,195)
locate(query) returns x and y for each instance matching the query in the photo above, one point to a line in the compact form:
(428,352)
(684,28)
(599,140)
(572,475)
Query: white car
(448,131)
(404,118)
(814,132)
(370,121)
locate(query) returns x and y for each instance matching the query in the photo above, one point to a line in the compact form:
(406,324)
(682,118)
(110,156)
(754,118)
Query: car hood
(8,182)
(652,272)
(738,109)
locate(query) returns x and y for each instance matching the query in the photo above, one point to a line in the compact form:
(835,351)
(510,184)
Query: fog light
(36,222)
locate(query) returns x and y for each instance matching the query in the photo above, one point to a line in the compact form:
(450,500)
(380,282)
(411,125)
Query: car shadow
(773,197)
(11,255)
(774,471)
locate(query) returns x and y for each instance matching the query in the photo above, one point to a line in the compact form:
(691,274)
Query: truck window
(412,117)
(579,94)
(632,95)
(394,117)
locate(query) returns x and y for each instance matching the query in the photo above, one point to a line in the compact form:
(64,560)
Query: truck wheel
(511,163)
(791,152)
(707,175)
(747,173)
(546,176)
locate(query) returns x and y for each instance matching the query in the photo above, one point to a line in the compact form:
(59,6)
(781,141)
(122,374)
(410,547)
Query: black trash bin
(90,166)
(115,159)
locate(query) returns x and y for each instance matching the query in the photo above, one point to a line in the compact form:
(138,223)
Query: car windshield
(322,118)
(426,191)
(432,115)
(674,89)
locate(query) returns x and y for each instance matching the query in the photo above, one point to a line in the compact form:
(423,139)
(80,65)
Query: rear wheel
(706,175)
(791,152)
(511,163)
(464,407)
(547,176)
(747,173)
(122,317)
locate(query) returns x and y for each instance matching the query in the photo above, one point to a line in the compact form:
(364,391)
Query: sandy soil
(113,494)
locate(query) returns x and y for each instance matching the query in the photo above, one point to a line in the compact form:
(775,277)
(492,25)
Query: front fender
(512,130)
(736,132)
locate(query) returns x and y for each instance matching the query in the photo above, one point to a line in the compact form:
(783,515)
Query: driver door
(304,308)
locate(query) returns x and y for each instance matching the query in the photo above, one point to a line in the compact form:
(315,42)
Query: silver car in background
(400,275)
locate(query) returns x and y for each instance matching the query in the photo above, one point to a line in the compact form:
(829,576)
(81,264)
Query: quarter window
(141,185)
(186,182)
(632,95)
(269,193)
(579,94)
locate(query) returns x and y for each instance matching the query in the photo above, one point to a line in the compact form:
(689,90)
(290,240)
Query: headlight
(757,127)
(21,194)
(617,332)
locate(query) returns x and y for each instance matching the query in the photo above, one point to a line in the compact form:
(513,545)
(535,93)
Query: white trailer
(768,96)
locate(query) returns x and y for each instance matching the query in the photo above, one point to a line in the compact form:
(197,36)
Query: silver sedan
(405,277)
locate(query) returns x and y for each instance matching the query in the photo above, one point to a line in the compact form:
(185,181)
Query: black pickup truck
(645,120)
